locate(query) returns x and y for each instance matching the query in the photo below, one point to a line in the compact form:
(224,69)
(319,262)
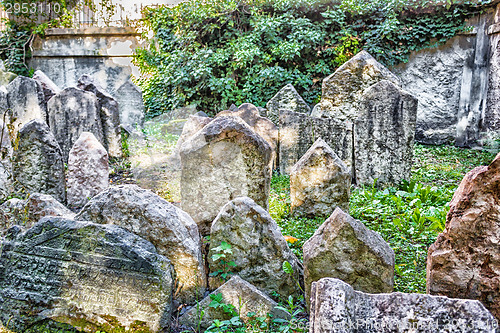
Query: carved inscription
(67,270)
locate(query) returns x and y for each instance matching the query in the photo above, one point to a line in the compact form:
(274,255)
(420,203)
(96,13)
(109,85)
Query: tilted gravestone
(88,170)
(342,90)
(464,261)
(287,98)
(38,161)
(48,86)
(5,162)
(224,160)
(92,276)
(345,249)
(298,132)
(109,114)
(238,293)
(261,125)
(71,112)
(173,232)
(26,102)
(319,182)
(131,104)
(27,212)
(384,134)
(258,249)
(337,307)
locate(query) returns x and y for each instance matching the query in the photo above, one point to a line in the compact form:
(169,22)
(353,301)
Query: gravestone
(238,293)
(71,112)
(48,86)
(88,275)
(38,161)
(27,212)
(5,162)
(173,232)
(88,170)
(26,102)
(261,125)
(342,90)
(384,134)
(109,114)
(319,182)
(258,249)
(345,249)
(5,76)
(288,99)
(224,160)
(337,307)
(131,104)
(464,262)
(298,132)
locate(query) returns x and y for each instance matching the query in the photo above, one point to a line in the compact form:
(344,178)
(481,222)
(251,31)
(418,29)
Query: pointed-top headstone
(345,249)
(26,102)
(109,114)
(88,170)
(342,89)
(71,112)
(224,160)
(287,98)
(38,163)
(319,182)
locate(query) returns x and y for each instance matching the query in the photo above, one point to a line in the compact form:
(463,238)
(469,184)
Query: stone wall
(458,85)
(105,54)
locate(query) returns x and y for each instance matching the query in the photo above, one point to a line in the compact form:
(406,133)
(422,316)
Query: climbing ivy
(27,18)
(214,53)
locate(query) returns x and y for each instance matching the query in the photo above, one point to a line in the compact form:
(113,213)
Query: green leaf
(287,268)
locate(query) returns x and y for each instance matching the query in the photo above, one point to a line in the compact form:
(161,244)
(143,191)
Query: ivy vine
(215,53)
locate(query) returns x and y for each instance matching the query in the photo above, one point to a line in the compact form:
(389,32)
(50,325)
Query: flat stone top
(109,31)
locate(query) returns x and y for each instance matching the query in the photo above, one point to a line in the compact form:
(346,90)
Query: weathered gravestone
(38,162)
(174,234)
(27,212)
(26,102)
(319,182)
(224,160)
(88,275)
(261,125)
(238,293)
(131,104)
(344,248)
(258,249)
(342,90)
(287,98)
(48,86)
(109,114)
(465,259)
(384,134)
(71,112)
(5,76)
(5,162)
(88,170)
(298,132)
(337,307)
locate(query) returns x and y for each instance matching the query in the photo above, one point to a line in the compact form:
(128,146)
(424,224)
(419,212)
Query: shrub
(214,53)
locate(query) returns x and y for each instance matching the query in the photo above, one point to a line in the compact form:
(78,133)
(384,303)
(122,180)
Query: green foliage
(214,53)
(408,216)
(14,49)
(220,254)
(296,322)
(232,324)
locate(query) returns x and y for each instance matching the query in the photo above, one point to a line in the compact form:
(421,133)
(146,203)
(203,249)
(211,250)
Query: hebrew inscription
(82,274)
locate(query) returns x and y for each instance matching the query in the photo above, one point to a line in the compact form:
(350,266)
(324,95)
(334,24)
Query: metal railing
(100,13)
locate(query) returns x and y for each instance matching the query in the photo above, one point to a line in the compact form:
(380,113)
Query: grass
(408,217)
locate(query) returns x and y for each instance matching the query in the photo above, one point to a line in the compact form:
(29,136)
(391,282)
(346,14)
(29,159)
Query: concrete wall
(458,85)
